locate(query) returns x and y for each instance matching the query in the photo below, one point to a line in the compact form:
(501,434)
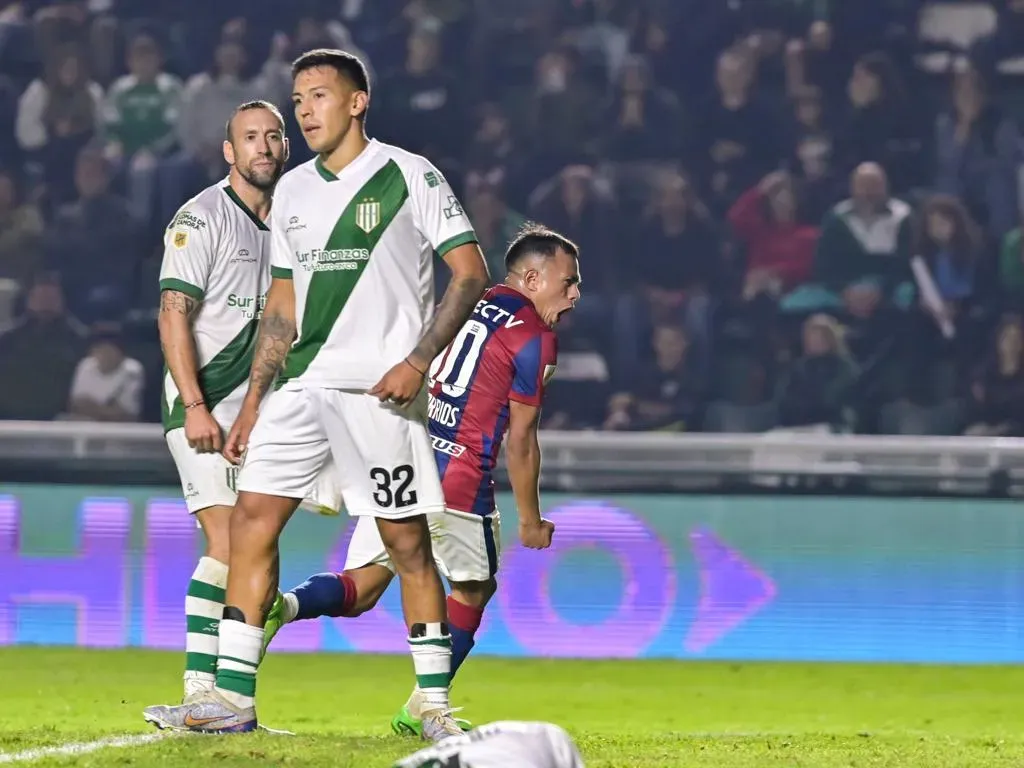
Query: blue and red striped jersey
(504,352)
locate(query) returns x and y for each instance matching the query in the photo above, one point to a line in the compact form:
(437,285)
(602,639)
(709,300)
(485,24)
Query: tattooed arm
(468,283)
(177,312)
(276,334)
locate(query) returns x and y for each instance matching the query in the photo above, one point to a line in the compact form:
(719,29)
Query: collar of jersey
(328,175)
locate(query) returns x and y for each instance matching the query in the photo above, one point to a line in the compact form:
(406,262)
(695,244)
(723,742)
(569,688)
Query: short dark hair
(255,104)
(346,64)
(537,240)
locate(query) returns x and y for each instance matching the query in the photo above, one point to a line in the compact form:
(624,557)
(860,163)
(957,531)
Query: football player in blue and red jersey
(486,387)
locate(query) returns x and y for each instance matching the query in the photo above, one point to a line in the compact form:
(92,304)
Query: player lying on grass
(489,379)
(501,745)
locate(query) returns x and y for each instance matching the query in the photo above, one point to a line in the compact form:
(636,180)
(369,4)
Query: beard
(262,179)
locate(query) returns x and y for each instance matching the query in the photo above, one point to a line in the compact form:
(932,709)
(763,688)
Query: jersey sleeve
(534,365)
(189,250)
(439,214)
(280,254)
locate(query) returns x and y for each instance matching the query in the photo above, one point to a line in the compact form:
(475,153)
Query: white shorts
(207,479)
(384,459)
(466,547)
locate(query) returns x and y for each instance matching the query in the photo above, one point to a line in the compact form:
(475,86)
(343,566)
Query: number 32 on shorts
(393,487)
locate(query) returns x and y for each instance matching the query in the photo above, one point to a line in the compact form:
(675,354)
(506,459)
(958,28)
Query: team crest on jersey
(180,239)
(549,371)
(368,215)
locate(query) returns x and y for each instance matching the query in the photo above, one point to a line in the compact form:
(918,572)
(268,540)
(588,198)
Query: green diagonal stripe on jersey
(360,226)
(226,371)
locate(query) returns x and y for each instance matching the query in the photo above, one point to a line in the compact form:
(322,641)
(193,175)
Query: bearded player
(215,274)
(490,379)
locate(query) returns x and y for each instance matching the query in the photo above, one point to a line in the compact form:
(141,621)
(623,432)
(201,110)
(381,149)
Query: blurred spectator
(997,394)
(575,203)
(817,62)
(417,102)
(643,120)
(494,147)
(813,157)
(578,392)
(740,138)
(61,23)
(950,244)
(677,270)
(877,126)
(1011,268)
(666,395)
(21,231)
(59,114)
(107,385)
(94,243)
(496,224)
(38,355)
(863,254)
(780,249)
(563,110)
(142,113)
(819,386)
(978,151)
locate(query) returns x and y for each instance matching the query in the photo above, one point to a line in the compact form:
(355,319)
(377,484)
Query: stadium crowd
(792,213)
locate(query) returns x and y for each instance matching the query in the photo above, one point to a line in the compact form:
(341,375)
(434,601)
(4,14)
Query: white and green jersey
(359,248)
(217,251)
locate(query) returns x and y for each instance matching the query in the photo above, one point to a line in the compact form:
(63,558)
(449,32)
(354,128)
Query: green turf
(623,714)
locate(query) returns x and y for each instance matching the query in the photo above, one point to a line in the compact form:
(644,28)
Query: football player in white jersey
(502,744)
(214,278)
(349,330)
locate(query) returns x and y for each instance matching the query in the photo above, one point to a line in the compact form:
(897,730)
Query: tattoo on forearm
(176,301)
(275,339)
(456,305)
(273,576)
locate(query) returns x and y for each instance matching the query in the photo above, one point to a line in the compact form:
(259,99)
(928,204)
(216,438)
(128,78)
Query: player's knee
(475,594)
(408,545)
(256,516)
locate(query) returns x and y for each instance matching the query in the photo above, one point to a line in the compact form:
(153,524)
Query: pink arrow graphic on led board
(731,590)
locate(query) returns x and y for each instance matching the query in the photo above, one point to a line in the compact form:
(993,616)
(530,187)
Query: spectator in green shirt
(141,115)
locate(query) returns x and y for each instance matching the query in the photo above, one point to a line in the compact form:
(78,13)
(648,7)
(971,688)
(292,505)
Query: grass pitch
(645,714)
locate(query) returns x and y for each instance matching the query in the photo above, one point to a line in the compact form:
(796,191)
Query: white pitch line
(81,748)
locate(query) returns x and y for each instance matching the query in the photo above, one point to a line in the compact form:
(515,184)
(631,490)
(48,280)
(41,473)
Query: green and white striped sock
(431,648)
(240,647)
(204,606)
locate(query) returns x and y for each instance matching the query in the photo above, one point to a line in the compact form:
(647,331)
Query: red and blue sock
(463,622)
(325,594)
